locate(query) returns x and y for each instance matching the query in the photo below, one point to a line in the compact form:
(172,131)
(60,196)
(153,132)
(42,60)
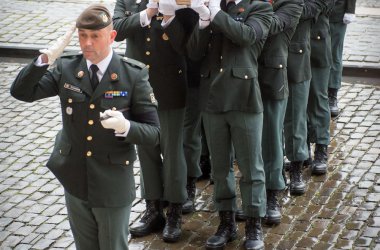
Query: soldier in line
(342,14)
(318,114)
(232,111)
(158,39)
(299,76)
(274,91)
(93,159)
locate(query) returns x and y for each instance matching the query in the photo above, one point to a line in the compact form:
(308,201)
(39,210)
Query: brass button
(127,163)
(148,39)
(280,66)
(89,153)
(221,57)
(69,100)
(318,37)
(113,108)
(90,122)
(221,70)
(89,138)
(180,71)
(301,50)
(149,26)
(147,53)
(92,106)
(246,77)
(148,66)
(60,151)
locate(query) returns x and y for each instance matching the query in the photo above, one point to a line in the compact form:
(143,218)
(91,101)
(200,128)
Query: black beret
(95,17)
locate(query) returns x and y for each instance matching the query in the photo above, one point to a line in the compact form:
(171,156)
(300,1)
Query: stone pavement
(339,211)
(34,24)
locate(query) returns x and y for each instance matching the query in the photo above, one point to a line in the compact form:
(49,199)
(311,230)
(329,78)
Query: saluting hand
(168,7)
(214,6)
(152,8)
(57,48)
(200,7)
(115,120)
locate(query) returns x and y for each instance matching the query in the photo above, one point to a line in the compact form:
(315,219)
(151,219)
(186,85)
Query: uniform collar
(102,65)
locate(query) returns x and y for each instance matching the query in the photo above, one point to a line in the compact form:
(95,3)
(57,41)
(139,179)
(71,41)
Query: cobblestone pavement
(339,210)
(38,23)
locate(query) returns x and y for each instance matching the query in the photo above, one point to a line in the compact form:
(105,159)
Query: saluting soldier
(93,159)
(274,91)
(232,111)
(342,14)
(158,39)
(318,113)
(299,76)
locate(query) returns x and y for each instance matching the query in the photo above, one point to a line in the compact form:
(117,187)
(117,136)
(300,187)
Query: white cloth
(349,18)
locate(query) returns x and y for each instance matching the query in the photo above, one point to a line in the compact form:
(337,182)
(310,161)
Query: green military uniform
(338,31)
(274,87)
(94,166)
(299,75)
(162,50)
(231,101)
(318,106)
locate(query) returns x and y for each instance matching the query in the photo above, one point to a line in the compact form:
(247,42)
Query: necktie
(94,78)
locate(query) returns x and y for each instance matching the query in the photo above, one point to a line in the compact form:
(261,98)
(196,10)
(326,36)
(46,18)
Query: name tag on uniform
(115,93)
(72,87)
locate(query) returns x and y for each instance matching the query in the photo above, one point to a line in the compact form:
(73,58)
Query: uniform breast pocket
(273,77)
(119,103)
(73,105)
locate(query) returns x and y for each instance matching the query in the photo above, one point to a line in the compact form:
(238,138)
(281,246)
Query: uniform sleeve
(125,22)
(198,42)
(313,8)
(145,128)
(350,7)
(286,16)
(253,29)
(35,83)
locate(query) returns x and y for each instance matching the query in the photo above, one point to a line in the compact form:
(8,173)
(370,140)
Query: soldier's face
(96,44)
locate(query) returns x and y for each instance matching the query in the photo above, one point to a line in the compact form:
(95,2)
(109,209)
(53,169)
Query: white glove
(348,18)
(214,6)
(115,121)
(152,4)
(57,48)
(168,7)
(199,7)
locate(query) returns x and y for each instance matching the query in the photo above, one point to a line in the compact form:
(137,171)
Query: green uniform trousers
(295,123)
(165,178)
(243,131)
(98,228)
(192,133)
(338,31)
(318,112)
(272,142)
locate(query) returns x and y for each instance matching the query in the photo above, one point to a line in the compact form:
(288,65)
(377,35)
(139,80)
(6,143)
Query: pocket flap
(243,73)
(277,62)
(298,48)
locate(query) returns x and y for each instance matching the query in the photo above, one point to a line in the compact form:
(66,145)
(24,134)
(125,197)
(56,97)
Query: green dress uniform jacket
(299,68)
(273,59)
(321,40)
(229,77)
(162,49)
(341,7)
(90,161)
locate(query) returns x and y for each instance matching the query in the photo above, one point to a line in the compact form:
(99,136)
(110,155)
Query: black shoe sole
(318,172)
(297,191)
(272,221)
(150,231)
(171,239)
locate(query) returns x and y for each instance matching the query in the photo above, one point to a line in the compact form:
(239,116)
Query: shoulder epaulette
(134,62)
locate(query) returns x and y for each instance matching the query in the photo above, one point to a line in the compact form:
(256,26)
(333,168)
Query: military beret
(95,17)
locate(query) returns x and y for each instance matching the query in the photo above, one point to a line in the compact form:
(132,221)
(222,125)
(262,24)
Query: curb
(26,52)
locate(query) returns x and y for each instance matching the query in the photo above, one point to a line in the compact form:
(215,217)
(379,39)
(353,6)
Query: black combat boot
(188,206)
(227,231)
(297,186)
(172,231)
(205,166)
(239,215)
(273,216)
(152,220)
(253,234)
(320,160)
(333,102)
